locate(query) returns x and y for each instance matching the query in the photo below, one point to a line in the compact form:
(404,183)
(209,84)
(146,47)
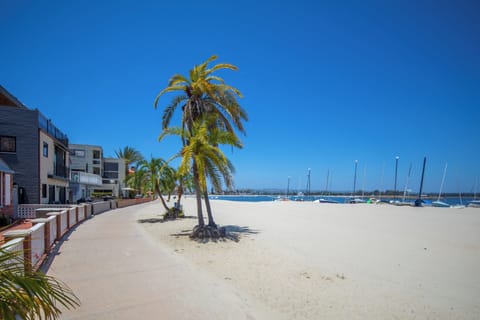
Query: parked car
(83,200)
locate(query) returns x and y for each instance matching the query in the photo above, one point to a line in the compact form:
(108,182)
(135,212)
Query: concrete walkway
(119,272)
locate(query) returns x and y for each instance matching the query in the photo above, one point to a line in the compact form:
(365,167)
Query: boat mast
(443,180)
(406,183)
(326,184)
(418,202)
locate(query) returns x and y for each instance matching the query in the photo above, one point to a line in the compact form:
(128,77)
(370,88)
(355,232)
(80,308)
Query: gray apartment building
(89,159)
(35,150)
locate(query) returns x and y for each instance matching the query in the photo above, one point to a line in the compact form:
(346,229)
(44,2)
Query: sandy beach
(303,260)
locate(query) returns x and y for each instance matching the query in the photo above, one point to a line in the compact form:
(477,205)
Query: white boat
(322,200)
(440,204)
(356,200)
(474,204)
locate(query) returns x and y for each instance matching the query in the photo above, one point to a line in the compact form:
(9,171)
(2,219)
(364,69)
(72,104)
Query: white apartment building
(94,174)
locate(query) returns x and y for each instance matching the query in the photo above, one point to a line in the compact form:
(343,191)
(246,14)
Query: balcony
(47,125)
(60,172)
(86,178)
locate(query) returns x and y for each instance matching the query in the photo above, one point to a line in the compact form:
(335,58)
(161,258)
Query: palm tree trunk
(157,189)
(196,182)
(211,222)
(179,192)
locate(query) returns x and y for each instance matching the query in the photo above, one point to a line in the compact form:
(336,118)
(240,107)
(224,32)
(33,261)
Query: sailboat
(474,203)
(404,202)
(439,203)
(322,199)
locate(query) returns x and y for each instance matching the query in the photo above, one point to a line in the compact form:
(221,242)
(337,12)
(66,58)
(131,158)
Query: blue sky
(325,83)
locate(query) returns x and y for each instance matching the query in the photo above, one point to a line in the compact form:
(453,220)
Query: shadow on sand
(232,233)
(160,220)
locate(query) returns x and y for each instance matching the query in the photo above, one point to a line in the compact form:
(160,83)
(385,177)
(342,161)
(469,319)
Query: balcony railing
(48,126)
(60,172)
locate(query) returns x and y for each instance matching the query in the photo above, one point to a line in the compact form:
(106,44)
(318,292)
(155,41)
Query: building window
(110,166)
(96,170)
(96,154)
(8,144)
(45,149)
(44,190)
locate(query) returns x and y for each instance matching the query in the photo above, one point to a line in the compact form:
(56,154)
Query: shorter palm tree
(131,155)
(28,294)
(202,156)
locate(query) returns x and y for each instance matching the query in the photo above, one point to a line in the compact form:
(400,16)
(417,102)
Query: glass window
(44,190)
(110,175)
(110,166)
(8,144)
(45,149)
(96,170)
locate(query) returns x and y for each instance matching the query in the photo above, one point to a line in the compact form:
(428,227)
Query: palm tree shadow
(232,233)
(161,220)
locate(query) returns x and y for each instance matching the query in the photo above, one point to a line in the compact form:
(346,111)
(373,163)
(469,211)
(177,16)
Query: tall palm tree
(28,294)
(131,156)
(203,94)
(203,156)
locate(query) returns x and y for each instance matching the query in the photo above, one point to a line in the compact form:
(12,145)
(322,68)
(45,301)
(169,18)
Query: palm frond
(166,90)
(170,109)
(28,294)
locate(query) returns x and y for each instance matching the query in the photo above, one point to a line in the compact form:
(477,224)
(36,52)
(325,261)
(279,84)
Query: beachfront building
(36,150)
(6,190)
(88,161)
(113,176)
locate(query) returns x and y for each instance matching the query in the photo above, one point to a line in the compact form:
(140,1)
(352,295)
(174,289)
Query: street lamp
(355,177)
(308,182)
(396,170)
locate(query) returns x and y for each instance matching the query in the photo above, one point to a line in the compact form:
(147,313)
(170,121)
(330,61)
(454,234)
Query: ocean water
(339,199)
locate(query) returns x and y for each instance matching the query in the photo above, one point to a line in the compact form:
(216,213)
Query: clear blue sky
(324,82)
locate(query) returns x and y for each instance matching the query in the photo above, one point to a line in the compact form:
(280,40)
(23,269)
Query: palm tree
(131,156)
(155,169)
(203,93)
(203,156)
(138,180)
(30,295)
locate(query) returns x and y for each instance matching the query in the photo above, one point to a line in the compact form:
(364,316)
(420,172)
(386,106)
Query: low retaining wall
(130,202)
(34,243)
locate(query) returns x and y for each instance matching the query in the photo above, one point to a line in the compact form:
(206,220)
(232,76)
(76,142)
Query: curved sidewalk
(119,272)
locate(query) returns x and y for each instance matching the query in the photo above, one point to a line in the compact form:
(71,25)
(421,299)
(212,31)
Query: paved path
(119,272)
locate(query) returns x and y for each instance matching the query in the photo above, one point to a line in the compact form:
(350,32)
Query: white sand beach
(303,260)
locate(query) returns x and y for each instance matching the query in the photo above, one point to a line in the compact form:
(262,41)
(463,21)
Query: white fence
(99,207)
(72,217)
(15,245)
(52,224)
(28,211)
(37,242)
(63,223)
